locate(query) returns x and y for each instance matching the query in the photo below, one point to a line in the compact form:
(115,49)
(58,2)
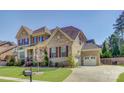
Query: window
(86,58)
(53,52)
(63,51)
(92,57)
(35,40)
(26,41)
(41,39)
(22,55)
(21,41)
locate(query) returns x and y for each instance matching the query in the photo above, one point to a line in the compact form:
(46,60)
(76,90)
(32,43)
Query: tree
(39,56)
(105,50)
(119,25)
(116,40)
(119,30)
(46,59)
(122,50)
(114,45)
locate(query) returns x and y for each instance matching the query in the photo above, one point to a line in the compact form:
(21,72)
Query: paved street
(103,73)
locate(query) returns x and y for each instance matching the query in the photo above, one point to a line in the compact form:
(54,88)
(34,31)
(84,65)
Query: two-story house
(59,43)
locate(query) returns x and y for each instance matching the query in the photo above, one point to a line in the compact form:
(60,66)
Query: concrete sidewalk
(18,79)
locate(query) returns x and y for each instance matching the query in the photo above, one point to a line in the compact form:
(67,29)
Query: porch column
(34,54)
(26,53)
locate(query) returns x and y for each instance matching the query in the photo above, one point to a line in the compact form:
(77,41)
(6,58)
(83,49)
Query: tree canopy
(114,45)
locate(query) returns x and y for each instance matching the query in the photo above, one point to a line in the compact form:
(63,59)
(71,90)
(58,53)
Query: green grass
(50,74)
(54,76)
(3,80)
(121,77)
(120,64)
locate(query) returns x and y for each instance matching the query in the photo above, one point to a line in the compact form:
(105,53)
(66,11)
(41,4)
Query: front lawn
(120,78)
(120,64)
(54,76)
(50,74)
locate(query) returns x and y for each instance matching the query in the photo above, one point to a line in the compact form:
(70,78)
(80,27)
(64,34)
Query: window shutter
(59,51)
(56,51)
(18,42)
(27,40)
(66,51)
(39,38)
(32,39)
(24,41)
(50,52)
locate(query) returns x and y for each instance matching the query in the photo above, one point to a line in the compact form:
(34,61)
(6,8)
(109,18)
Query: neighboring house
(7,49)
(59,43)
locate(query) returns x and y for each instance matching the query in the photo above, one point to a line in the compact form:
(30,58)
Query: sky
(95,24)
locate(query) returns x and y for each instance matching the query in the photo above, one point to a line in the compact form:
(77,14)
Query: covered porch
(35,52)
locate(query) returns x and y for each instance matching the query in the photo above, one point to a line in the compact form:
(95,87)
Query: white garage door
(89,61)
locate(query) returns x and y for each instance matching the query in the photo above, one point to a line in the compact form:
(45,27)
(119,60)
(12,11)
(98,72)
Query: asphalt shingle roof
(71,31)
(42,29)
(90,46)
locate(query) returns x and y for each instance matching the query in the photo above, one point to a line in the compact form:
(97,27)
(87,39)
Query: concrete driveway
(103,73)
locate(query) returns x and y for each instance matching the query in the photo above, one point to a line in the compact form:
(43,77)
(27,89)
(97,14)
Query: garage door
(89,61)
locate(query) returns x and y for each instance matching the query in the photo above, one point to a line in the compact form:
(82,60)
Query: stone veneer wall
(59,40)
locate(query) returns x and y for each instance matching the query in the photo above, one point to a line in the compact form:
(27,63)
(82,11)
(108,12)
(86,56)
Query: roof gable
(29,31)
(72,32)
(55,31)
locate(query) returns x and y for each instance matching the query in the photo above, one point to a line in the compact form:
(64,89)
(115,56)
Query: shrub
(10,61)
(18,63)
(42,64)
(71,61)
(50,64)
(56,64)
(22,62)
